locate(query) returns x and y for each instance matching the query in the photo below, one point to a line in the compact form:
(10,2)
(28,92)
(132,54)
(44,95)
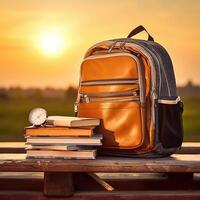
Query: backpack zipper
(129,95)
(88,99)
(134,92)
(109,82)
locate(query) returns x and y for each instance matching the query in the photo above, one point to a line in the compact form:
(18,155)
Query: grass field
(191,120)
(14,114)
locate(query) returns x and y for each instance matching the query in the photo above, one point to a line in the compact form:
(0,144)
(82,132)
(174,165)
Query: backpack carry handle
(139,29)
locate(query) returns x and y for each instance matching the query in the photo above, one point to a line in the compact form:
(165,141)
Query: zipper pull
(76,107)
(77,103)
(154,94)
(86,97)
(134,94)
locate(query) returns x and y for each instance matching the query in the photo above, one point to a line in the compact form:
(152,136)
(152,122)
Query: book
(58,131)
(84,154)
(71,121)
(93,140)
(60,147)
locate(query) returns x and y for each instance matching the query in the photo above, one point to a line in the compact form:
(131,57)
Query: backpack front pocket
(112,89)
(121,122)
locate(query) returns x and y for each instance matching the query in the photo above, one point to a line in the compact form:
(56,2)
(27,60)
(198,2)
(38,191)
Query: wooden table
(172,177)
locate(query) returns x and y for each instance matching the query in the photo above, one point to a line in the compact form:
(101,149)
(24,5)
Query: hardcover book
(71,121)
(94,140)
(83,154)
(58,131)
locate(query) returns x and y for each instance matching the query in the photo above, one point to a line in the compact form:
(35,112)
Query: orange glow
(42,43)
(51,43)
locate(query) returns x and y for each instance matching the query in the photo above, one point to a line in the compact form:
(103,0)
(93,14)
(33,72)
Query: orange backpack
(129,84)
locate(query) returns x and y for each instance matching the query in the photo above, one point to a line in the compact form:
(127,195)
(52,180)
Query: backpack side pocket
(170,123)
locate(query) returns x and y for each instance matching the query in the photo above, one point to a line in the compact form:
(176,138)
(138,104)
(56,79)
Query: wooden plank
(156,182)
(58,184)
(136,195)
(83,182)
(180,176)
(12,147)
(30,175)
(176,163)
(190,148)
(21,184)
(191,144)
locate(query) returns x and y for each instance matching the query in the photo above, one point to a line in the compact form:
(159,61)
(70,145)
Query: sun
(51,43)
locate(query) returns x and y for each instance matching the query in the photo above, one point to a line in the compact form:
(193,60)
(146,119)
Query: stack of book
(63,137)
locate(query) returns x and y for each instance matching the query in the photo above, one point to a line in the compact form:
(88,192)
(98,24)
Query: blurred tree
(189,84)
(71,93)
(4,94)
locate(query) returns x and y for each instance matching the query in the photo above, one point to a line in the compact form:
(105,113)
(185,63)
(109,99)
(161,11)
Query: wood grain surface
(186,163)
(125,195)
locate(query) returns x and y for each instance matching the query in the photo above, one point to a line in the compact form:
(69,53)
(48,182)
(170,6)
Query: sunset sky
(42,42)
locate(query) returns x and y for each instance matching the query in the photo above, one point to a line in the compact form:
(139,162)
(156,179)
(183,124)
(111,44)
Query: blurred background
(43,42)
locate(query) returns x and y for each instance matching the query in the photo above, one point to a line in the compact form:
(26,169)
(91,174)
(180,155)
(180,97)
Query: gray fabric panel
(168,67)
(166,64)
(165,68)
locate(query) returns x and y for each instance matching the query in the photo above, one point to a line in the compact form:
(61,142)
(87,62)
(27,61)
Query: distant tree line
(190,90)
(18,92)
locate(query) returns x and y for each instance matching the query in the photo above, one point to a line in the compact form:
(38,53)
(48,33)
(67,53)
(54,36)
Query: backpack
(130,85)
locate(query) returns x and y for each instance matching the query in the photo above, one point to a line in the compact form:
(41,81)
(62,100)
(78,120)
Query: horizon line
(189,82)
